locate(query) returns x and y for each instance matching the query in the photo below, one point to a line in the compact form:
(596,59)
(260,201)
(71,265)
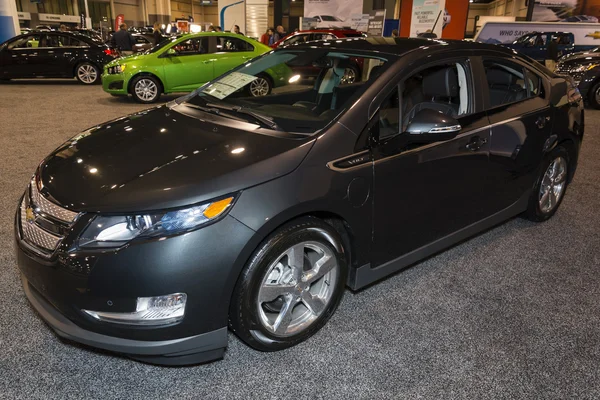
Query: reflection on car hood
(160,158)
(580,58)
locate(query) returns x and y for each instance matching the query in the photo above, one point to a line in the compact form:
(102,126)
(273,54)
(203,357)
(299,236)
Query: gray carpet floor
(513,313)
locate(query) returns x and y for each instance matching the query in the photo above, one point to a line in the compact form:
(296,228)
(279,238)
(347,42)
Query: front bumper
(115,83)
(204,264)
(196,349)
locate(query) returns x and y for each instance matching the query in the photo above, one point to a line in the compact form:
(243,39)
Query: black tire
(260,87)
(88,74)
(534,210)
(154,86)
(244,313)
(592,96)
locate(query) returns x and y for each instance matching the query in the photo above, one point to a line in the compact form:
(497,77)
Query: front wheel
(87,73)
(260,87)
(291,286)
(550,187)
(145,89)
(594,95)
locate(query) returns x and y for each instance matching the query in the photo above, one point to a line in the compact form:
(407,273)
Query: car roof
(328,30)
(399,46)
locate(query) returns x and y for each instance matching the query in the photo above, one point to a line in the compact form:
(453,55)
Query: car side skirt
(366,275)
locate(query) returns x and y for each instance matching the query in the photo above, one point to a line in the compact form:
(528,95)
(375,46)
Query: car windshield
(292,90)
(329,18)
(524,39)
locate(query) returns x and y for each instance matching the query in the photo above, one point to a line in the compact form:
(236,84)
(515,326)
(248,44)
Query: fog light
(158,310)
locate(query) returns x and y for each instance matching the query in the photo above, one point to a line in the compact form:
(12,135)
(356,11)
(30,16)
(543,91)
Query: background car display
(151,234)
(535,45)
(584,68)
(54,55)
(352,71)
(185,63)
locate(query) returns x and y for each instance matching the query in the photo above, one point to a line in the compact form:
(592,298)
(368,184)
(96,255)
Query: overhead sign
(427,17)
(59,18)
(376,21)
(332,13)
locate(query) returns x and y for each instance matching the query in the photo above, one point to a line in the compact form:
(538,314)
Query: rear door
(190,66)
(521,118)
(229,52)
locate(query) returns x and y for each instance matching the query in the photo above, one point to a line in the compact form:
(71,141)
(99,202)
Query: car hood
(163,158)
(580,58)
(122,60)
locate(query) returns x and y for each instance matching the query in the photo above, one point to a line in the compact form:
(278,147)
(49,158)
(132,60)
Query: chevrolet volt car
(185,63)
(153,234)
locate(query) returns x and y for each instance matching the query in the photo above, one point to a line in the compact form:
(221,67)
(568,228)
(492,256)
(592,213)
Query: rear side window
(192,47)
(509,82)
(69,41)
(297,38)
(229,44)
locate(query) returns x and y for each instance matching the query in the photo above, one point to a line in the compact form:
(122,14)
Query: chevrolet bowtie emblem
(29,215)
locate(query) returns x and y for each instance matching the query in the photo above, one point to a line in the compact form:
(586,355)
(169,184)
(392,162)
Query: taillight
(111,52)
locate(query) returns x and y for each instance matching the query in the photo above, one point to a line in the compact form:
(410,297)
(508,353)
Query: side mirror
(171,52)
(429,126)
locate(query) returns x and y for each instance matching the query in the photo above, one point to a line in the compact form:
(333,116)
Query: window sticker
(229,84)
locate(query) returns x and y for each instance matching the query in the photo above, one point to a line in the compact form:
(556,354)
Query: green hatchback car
(186,63)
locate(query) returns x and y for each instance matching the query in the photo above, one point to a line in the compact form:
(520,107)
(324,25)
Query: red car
(351,72)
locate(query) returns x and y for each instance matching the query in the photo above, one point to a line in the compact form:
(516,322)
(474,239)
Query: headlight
(115,231)
(117,69)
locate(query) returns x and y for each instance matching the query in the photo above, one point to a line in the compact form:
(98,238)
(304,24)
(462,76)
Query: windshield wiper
(214,110)
(257,116)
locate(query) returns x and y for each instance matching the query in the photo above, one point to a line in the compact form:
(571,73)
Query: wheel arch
(145,73)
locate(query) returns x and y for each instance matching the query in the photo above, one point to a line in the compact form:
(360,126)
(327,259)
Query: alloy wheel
(146,89)
(553,185)
(87,73)
(349,76)
(597,95)
(297,288)
(259,87)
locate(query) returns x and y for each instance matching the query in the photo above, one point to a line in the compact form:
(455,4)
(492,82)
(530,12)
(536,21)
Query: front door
(19,57)
(425,192)
(189,67)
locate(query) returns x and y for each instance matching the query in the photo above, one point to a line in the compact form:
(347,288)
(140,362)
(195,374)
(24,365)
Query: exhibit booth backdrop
(452,22)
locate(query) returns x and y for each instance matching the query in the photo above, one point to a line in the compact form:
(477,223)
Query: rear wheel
(260,87)
(146,89)
(291,286)
(87,73)
(551,186)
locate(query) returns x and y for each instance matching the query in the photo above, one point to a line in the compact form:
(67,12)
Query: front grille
(42,222)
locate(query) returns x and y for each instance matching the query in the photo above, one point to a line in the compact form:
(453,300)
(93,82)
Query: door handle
(541,121)
(207,61)
(476,143)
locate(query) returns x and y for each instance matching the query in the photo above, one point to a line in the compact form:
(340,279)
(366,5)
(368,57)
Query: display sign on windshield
(228,84)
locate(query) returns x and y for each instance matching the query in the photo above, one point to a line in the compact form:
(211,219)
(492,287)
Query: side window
(192,47)
(229,44)
(322,36)
(508,82)
(533,84)
(562,39)
(25,42)
(389,116)
(443,87)
(68,41)
(49,41)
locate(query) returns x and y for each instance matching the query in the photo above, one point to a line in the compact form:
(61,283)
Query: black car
(584,68)
(151,234)
(54,55)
